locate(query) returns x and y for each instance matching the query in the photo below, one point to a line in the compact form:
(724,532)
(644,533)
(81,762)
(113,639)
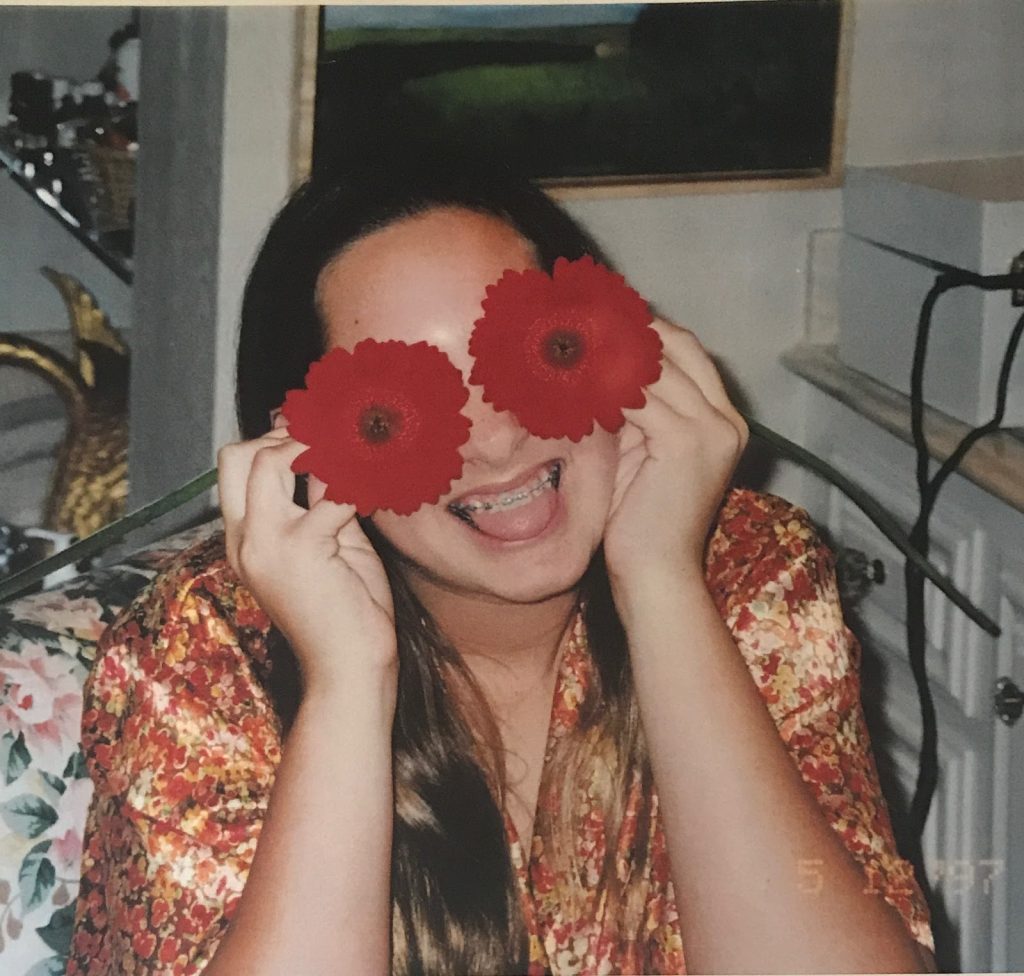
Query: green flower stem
(874,511)
(106,536)
(109,534)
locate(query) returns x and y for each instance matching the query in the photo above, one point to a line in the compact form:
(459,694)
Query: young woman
(631,742)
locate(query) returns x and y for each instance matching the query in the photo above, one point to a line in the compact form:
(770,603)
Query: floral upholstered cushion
(47,642)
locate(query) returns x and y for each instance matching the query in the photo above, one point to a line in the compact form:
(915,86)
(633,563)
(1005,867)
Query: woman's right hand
(314,572)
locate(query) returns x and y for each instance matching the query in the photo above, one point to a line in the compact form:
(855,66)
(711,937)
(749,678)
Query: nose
(496,437)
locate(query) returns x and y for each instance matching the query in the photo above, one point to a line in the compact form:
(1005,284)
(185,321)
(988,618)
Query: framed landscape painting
(587,93)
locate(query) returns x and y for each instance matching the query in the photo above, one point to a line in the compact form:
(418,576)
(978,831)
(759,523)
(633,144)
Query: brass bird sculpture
(89,486)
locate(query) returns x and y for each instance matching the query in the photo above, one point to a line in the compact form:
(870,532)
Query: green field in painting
(598,99)
(542,90)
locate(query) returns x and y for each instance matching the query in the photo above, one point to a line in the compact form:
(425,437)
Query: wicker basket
(114,170)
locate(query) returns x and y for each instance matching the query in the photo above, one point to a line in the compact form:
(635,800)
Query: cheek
(406,532)
(600,455)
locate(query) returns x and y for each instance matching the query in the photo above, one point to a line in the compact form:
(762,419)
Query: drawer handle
(856,574)
(1008,701)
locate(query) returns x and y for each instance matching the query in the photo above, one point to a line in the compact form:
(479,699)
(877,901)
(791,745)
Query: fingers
(682,347)
(685,359)
(271,483)
(677,389)
(315,490)
(235,470)
(659,414)
(256,495)
(234,462)
(630,436)
(327,519)
(680,390)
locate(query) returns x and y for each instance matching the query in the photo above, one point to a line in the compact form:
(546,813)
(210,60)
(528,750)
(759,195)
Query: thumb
(327,518)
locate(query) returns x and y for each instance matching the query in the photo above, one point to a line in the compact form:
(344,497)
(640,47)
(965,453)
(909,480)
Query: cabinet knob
(856,574)
(1008,701)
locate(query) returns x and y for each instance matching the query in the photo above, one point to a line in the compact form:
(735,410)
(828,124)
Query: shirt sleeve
(182,747)
(806,663)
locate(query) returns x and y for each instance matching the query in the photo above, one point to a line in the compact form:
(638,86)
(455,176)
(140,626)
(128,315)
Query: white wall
(257,170)
(66,41)
(733,268)
(936,79)
(929,79)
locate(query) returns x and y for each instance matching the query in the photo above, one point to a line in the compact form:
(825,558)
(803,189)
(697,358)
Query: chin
(535,587)
(516,580)
(524,578)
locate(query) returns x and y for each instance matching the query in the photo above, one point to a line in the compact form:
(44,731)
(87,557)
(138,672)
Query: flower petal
(564,350)
(382,424)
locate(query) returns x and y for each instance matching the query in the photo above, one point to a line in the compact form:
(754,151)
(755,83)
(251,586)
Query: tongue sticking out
(521,522)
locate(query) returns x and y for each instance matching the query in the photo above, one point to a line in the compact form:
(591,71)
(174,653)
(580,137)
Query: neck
(510,648)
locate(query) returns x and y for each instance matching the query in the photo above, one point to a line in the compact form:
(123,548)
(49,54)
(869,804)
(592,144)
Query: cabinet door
(958,656)
(962,859)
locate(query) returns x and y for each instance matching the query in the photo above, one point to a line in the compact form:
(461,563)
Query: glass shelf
(104,246)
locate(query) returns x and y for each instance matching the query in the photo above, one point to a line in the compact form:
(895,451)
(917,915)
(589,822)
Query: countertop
(995,463)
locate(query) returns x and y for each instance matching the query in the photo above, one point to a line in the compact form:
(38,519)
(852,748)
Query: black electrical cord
(928,490)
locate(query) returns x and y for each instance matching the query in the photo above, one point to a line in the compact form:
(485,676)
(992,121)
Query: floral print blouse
(182,744)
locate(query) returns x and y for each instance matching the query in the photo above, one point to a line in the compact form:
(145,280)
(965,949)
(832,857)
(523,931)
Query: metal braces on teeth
(465,511)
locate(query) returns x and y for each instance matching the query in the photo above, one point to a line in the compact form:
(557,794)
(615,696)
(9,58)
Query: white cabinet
(904,224)
(1008,766)
(975,869)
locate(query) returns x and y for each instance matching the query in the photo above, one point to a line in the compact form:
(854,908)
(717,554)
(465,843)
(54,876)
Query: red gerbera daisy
(382,423)
(560,352)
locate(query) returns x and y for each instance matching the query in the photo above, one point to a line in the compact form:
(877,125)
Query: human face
(423,278)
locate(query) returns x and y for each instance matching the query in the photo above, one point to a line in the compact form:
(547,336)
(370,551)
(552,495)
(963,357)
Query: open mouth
(499,513)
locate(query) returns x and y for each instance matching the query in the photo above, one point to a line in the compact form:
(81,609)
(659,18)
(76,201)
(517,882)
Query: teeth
(459,513)
(463,511)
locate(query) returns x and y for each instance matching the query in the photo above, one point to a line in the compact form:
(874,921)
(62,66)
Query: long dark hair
(455,906)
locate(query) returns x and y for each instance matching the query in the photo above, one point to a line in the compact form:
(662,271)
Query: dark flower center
(564,348)
(378,423)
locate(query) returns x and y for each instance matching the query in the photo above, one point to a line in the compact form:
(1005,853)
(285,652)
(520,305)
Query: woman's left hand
(676,456)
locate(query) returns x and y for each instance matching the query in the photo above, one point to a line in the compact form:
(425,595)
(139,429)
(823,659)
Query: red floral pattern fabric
(183,744)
